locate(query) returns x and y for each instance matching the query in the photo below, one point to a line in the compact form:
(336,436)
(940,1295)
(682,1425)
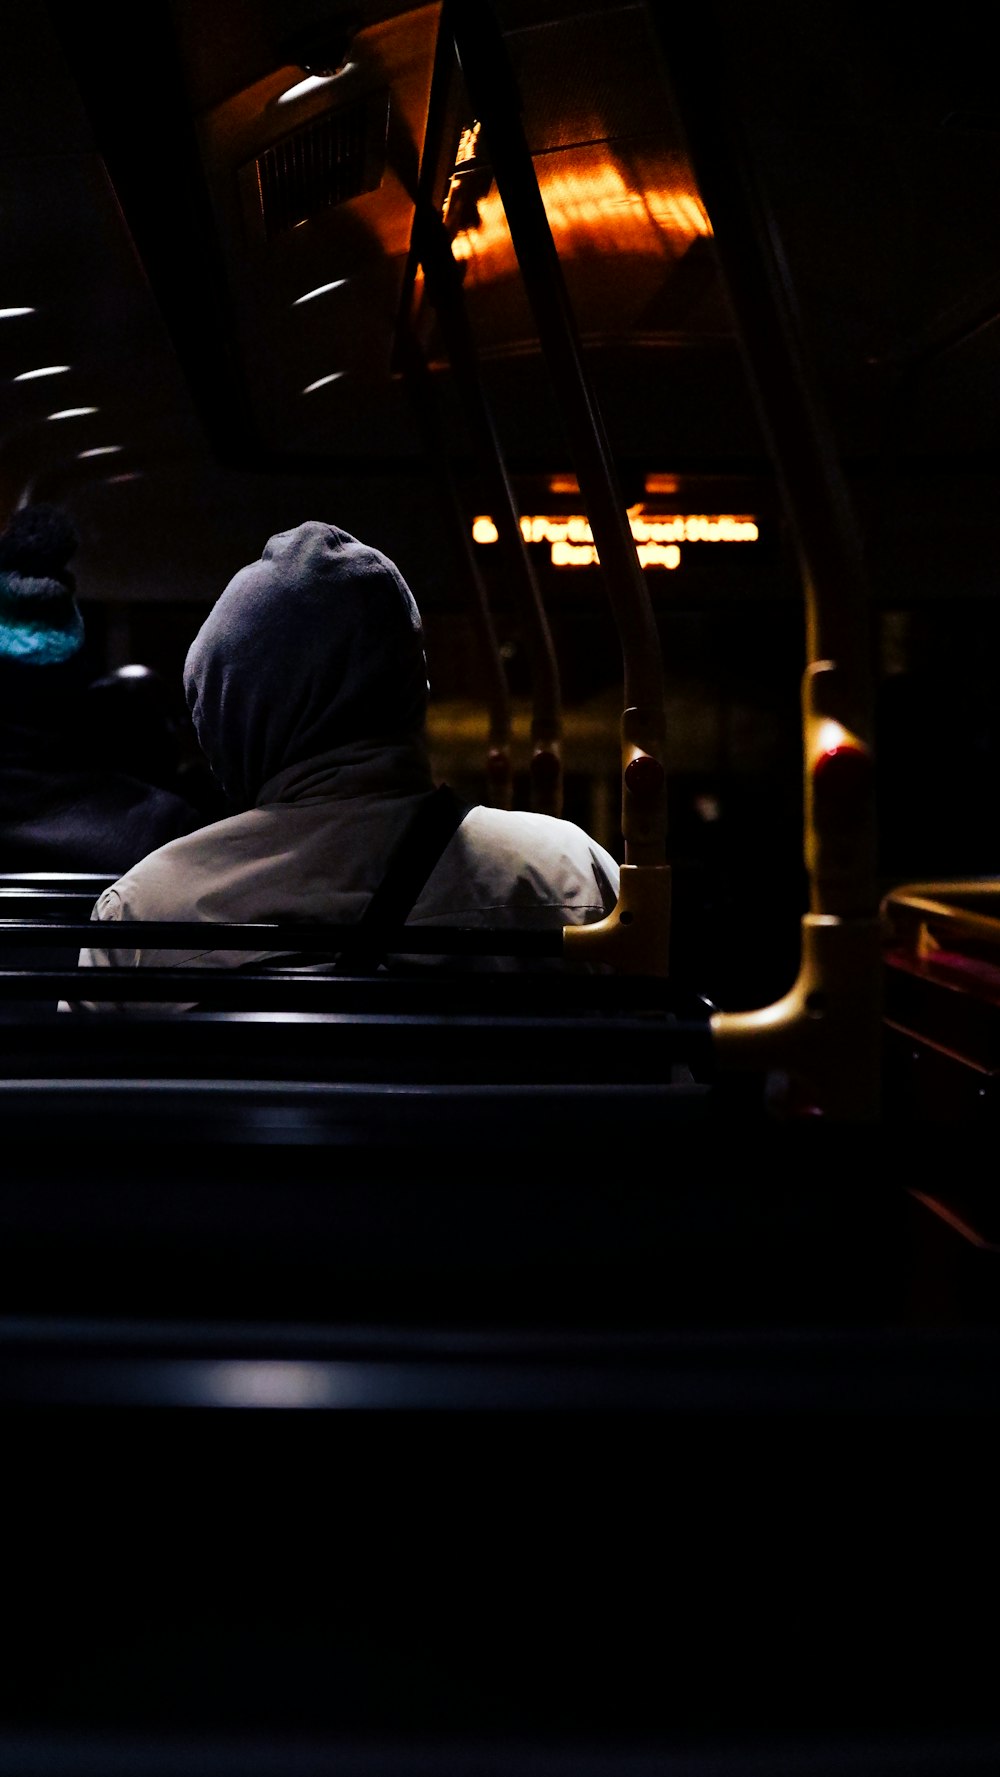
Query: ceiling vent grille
(335,157)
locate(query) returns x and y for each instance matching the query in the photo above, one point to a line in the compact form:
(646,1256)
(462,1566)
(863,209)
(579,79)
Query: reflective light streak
(829,735)
(320,290)
(276,1383)
(311,84)
(28,376)
(321,382)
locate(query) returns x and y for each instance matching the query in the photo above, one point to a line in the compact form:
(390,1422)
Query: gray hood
(317,645)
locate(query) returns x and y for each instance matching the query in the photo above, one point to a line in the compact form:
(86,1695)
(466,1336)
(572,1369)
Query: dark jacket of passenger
(59,809)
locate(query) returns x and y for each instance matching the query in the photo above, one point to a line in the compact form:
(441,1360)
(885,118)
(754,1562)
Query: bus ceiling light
(28,376)
(9,314)
(320,290)
(321,382)
(72,413)
(100,450)
(310,84)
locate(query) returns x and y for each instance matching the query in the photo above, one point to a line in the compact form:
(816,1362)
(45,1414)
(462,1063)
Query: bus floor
(623,1580)
(637,1452)
(673,1446)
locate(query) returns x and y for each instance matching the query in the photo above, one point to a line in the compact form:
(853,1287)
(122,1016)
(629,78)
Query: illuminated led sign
(657,538)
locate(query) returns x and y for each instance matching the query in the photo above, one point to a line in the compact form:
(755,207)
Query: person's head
(316,645)
(40,621)
(131,723)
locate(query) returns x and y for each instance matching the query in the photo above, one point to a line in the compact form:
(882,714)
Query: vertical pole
(485,63)
(442,277)
(825,1035)
(496,695)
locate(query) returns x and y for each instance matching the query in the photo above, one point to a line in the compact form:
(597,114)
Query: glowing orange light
(657,538)
(467,145)
(589,210)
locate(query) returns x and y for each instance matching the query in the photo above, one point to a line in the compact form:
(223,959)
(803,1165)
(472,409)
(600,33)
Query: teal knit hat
(40,621)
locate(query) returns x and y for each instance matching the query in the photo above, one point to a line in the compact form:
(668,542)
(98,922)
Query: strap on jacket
(433,823)
(436,820)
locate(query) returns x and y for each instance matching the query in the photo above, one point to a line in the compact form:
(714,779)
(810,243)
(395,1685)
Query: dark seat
(50,895)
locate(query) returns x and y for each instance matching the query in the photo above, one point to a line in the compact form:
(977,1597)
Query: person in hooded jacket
(307,687)
(62,807)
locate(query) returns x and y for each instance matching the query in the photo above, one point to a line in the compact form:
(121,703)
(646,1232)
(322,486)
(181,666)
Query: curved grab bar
(444,285)
(485,63)
(922,909)
(431,250)
(827,1030)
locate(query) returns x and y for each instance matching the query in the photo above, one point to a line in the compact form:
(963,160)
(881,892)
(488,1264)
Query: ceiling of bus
(168,213)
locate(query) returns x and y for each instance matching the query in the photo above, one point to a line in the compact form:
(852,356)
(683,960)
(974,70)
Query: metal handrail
(443,284)
(200,935)
(431,250)
(636,934)
(826,1031)
(495,690)
(921,905)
